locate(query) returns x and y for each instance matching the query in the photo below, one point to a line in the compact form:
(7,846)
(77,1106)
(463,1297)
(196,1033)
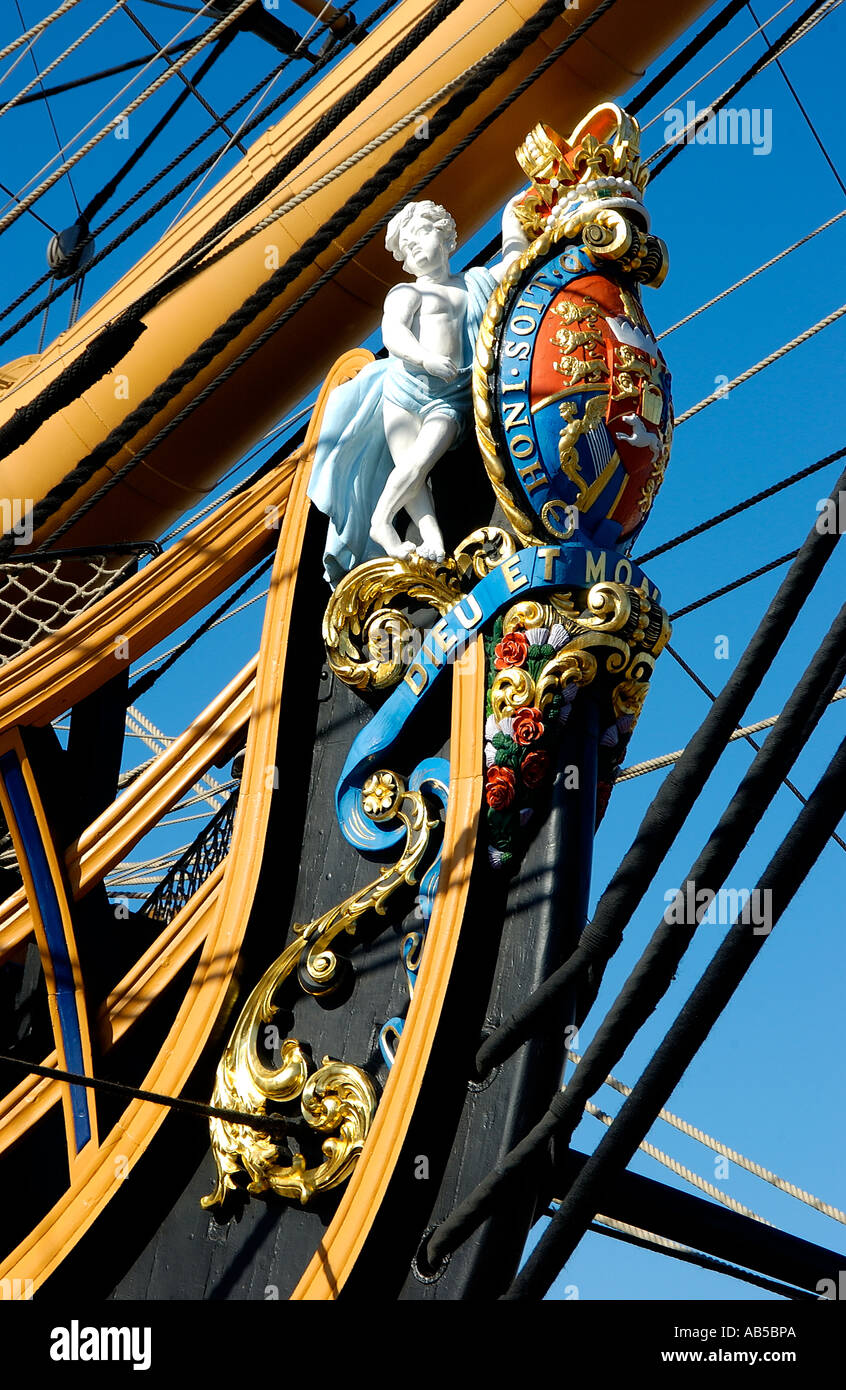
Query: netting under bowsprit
(39,594)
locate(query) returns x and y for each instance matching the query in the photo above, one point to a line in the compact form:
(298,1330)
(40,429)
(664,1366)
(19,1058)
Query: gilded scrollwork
(364,635)
(369,642)
(339,1098)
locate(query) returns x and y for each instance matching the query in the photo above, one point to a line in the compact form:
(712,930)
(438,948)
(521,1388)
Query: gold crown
(604,145)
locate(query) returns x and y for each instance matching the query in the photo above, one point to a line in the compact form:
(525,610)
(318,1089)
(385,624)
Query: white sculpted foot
(431,545)
(389,540)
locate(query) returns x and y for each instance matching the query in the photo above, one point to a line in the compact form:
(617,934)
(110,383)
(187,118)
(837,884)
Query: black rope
(786,871)
(654,971)
(189,83)
(673,801)
(809,123)
(105,193)
(148,680)
(60,87)
(735,584)
(498,62)
(791,786)
(707,113)
(740,507)
(272,1124)
(681,60)
(196,172)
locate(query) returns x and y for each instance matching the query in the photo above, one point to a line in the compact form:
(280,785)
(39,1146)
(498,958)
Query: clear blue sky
(769,1080)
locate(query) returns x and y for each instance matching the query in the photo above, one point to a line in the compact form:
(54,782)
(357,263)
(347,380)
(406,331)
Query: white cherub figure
(384,431)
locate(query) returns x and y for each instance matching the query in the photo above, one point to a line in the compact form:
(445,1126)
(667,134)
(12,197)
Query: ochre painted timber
(340,1246)
(96,1179)
(109,838)
(66,666)
(31,1099)
(600,66)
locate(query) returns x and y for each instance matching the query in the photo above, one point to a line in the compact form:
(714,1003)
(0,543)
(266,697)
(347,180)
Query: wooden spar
(185,466)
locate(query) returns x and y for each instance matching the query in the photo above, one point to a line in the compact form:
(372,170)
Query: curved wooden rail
(35,1095)
(96,1179)
(51,676)
(329,1269)
(141,806)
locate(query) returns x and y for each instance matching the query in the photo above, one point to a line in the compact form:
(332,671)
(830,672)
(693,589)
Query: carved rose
(511,651)
(527,724)
(500,788)
(534,767)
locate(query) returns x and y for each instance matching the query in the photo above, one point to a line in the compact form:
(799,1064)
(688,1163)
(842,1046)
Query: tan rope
(61,58)
(681,96)
(150,734)
(679,1168)
(642,1234)
(742,1162)
(779,49)
(149,91)
(752,274)
(665,759)
(37,28)
(766,362)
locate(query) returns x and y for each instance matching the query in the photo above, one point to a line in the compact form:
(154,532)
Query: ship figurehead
(551,354)
(572,399)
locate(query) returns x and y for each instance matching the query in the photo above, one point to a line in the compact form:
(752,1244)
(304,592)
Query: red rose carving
(511,651)
(500,788)
(534,767)
(527,725)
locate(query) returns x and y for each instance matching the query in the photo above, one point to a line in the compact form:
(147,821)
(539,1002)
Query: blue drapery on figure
(352,461)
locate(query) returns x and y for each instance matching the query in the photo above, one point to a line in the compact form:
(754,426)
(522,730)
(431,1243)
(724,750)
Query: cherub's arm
(401,304)
(514,239)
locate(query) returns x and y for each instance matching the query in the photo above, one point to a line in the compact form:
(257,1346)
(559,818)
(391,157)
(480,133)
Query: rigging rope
(172,69)
(682,1171)
(666,759)
(741,506)
(693,1132)
(105,192)
(140,686)
(87,368)
(633,1235)
(245,129)
(722,61)
(272,1123)
(711,696)
(61,58)
(37,28)
(723,391)
(147,730)
(499,61)
(621,898)
(681,60)
(751,276)
(782,877)
(98,76)
(801,26)
(735,584)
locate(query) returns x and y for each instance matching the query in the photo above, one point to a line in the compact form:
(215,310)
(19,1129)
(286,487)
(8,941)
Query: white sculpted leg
(415,447)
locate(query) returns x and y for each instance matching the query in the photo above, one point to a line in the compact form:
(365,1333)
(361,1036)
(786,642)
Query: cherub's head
(418,232)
